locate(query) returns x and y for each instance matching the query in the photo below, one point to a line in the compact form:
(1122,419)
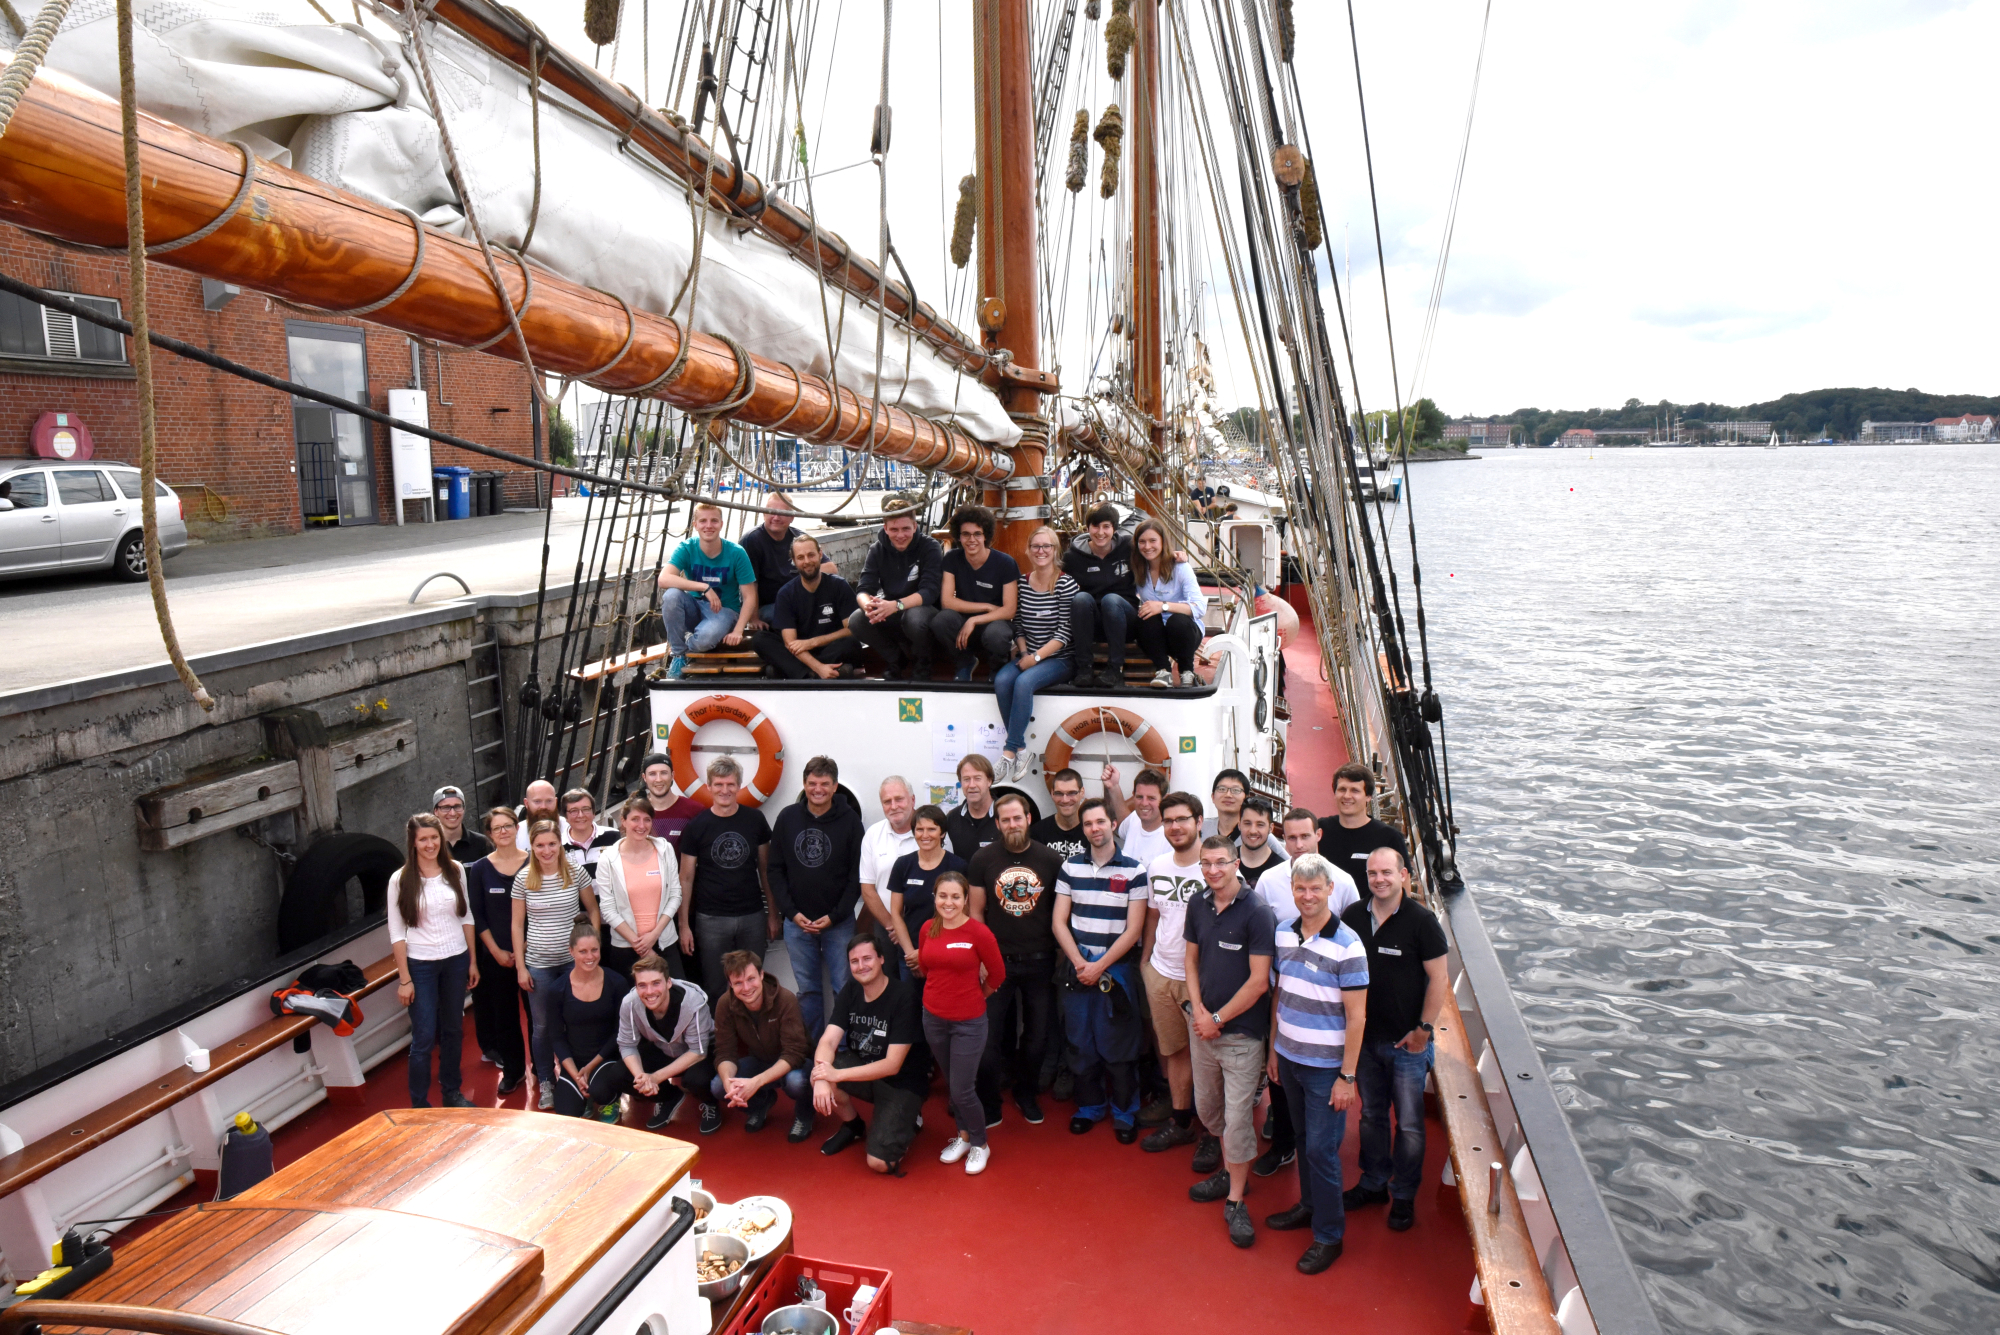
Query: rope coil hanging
(1119,35)
(600,21)
(1079,152)
(1110,135)
(964,220)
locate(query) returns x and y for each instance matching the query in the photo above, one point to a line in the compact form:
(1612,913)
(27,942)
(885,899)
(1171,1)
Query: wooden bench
(35,1161)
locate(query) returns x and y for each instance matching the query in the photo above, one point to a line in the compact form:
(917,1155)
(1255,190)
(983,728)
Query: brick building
(245,460)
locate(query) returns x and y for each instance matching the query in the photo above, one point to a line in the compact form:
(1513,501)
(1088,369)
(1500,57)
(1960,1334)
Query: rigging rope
(28,55)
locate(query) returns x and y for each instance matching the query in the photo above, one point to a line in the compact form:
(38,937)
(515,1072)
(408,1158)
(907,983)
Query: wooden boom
(292,237)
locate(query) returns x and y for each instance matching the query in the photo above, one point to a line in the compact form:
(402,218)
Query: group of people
(1160,960)
(917,603)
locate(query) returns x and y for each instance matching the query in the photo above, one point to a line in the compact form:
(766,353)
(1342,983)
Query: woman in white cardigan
(638,891)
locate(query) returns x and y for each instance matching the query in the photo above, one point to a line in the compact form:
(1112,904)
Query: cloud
(1726,323)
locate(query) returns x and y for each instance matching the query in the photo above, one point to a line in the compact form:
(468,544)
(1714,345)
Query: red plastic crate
(836,1280)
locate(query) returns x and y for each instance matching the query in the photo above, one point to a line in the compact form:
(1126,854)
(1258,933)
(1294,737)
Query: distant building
(1479,433)
(1886,431)
(1740,433)
(1972,426)
(1577,438)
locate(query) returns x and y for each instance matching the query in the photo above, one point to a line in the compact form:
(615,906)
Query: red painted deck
(1063,1234)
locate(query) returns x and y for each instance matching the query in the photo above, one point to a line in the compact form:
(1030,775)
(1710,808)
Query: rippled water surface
(1725,754)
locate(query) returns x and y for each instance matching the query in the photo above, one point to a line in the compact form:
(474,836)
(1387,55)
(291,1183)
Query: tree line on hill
(1833,413)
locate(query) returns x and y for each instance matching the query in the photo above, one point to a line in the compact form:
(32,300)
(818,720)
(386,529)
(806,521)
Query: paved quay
(230,595)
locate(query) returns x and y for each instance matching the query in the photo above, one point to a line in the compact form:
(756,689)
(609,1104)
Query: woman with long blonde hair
(550,894)
(430,934)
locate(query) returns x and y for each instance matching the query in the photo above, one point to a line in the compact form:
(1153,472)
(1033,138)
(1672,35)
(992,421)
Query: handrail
(598,1315)
(28,1318)
(442,574)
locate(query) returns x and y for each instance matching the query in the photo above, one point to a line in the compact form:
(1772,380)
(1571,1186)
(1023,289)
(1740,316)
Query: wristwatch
(1216,1018)
(1342,1075)
(1425,1026)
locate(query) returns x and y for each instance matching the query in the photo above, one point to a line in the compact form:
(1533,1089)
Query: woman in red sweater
(962,967)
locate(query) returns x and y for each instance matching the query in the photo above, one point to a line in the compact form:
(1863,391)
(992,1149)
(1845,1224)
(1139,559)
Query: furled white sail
(347,106)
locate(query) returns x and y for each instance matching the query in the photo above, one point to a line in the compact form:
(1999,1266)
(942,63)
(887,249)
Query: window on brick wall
(30,329)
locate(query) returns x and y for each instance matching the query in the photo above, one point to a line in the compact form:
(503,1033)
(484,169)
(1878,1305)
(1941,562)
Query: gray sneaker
(547,1102)
(1236,1215)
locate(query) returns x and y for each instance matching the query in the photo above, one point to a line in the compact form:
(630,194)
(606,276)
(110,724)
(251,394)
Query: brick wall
(226,444)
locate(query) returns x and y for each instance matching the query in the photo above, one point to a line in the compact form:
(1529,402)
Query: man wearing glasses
(448,805)
(1230,788)
(1174,878)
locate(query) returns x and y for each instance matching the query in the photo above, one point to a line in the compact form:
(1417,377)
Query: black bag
(345,977)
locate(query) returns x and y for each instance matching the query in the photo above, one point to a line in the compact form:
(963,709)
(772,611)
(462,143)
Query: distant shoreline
(1433,456)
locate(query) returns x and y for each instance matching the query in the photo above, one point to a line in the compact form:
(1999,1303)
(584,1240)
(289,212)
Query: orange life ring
(1087,722)
(732,709)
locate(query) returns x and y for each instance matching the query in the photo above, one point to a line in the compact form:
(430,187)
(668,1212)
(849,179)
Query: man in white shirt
(1175,878)
(1274,886)
(886,840)
(538,803)
(584,840)
(1140,835)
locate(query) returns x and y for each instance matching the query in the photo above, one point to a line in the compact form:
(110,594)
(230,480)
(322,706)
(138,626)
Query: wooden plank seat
(724,663)
(607,667)
(36,1160)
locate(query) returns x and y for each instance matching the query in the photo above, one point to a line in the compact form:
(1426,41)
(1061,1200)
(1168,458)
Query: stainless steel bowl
(800,1320)
(704,1202)
(721,1244)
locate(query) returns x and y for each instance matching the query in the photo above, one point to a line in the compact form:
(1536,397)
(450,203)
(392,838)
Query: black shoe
(490,1057)
(844,1135)
(509,1083)
(754,1118)
(1031,1108)
(1207,1155)
(1271,1160)
(1355,1198)
(992,1118)
(1214,1187)
(1127,1132)
(1156,1112)
(455,1099)
(1171,1136)
(1237,1216)
(1080,1126)
(664,1108)
(802,1127)
(898,672)
(1402,1214)
(711,1119)
(1112,678)
(1318,1257)
(1299,1216)
(1063,1088)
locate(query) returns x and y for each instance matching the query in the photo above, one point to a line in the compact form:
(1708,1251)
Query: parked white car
(80,516)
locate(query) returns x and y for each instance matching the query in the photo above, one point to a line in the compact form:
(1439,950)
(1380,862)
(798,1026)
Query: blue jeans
(797,1087)
(1016,687)
(541,1022)
(691,626)
(437,1023)
(1389,1076)
(817,956)
(1321,1128)
(1089,614)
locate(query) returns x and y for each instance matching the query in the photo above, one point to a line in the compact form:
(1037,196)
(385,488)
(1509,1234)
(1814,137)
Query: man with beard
(809,637)
(538,804)
(1013,893)
(815,855)
(1099,920)
(1174,878)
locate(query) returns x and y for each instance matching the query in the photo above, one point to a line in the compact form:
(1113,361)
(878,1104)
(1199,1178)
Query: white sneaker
(548,1099)
(1189,679)
(1163,679)
(975,1162)
(956,1149)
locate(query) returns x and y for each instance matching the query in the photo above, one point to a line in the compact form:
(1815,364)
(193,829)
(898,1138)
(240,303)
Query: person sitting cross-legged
(867,1054)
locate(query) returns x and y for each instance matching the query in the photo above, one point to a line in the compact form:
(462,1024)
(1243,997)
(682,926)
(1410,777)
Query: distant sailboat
(1772,443)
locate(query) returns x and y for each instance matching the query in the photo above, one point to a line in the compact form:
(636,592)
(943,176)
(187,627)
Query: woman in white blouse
(430,933)
(638,892)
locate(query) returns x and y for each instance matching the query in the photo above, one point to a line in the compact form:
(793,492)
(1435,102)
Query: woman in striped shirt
(1041,648)
(550,894)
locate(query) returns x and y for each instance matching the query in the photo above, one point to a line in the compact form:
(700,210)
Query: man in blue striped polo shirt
(1321,995)
(1101,899)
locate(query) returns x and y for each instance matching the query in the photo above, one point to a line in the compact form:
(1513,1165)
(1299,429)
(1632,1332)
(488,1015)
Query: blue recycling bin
(454,484)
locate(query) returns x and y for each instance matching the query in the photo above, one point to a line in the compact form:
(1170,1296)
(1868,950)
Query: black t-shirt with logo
(810,613)
(988,584)
(965,834)
(1065,844)
(724,849)
(1349,849)
(918,887)
(1020,896)
(1098,575)
(868,1028)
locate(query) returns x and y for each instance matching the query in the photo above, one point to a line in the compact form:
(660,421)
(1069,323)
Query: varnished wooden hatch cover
(521,1203)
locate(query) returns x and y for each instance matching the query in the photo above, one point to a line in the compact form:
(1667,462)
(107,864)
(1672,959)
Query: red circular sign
(60,436)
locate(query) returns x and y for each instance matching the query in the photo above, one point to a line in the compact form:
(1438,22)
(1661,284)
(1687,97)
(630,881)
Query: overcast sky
(1689,199)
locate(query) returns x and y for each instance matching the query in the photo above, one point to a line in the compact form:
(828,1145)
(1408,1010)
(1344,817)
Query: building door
(336,465)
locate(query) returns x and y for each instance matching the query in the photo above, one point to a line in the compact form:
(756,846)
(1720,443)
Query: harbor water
(1725,756)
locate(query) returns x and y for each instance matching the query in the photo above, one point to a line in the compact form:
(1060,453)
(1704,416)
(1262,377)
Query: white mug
(197,1061)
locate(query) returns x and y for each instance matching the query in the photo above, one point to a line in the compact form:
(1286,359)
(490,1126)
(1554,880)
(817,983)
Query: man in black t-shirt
(809,636)
(448,805)
(1014,894)
(1100,561)
(868,1052)
(977,600)
(1347,838)
(769,547)
(1062,833)
(897,596)
(1407,985)
(969,826)
(725,857)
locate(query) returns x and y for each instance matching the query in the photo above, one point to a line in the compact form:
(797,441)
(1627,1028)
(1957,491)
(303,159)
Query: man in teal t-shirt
(708,591)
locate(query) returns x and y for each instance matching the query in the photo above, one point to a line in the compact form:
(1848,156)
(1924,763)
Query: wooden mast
(1148,368)
(1009,306)
(299,240)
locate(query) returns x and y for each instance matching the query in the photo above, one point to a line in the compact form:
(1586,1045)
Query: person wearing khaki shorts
(1231,944)
(1166,997)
